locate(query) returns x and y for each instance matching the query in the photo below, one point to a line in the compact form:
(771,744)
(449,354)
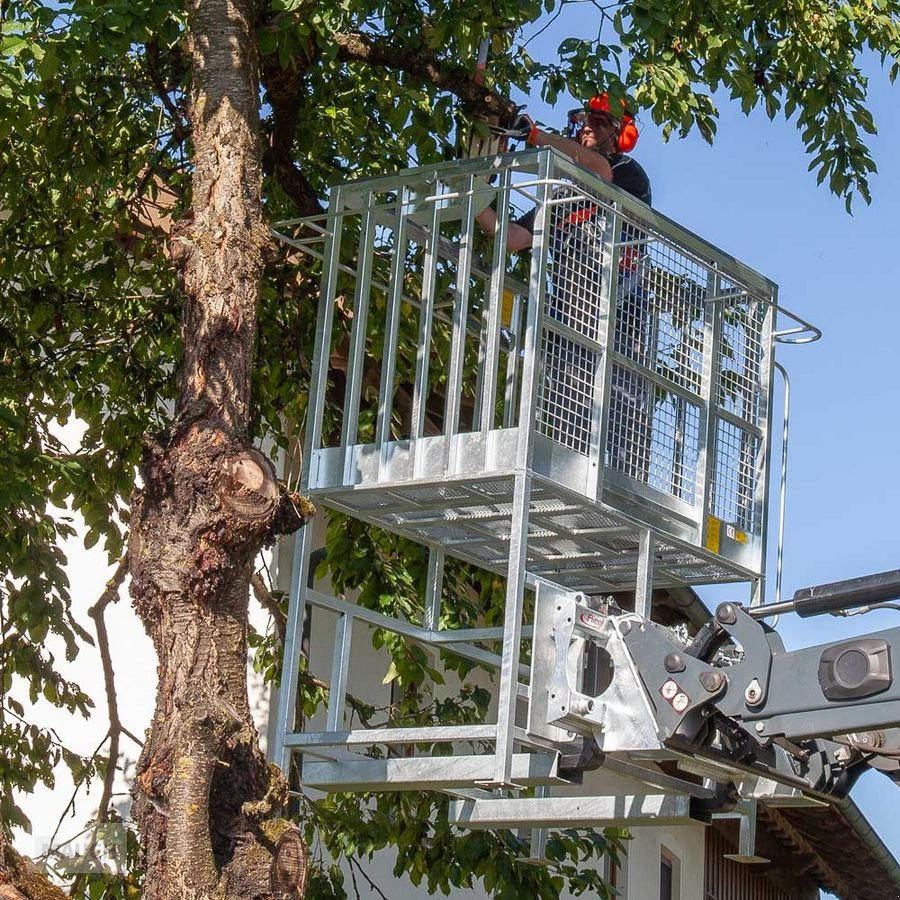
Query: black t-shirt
(627,173)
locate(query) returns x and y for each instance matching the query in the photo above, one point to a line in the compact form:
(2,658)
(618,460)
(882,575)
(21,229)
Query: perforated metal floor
(576,543)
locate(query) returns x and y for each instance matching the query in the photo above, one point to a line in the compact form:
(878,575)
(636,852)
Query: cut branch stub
(290,866)
(248,487)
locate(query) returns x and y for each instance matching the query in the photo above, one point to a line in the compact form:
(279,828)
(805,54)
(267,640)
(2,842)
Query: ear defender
(628,134)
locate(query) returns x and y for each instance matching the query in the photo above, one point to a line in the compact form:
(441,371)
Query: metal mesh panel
(654,435)
(567,392)
(582,521)
(740,356)
(737,453)
(678,340)
(675,285)
(556,546)
(576,248)
(444,532)
(500,488)
(628,437)
(674,447)
(575,299)
(432,493)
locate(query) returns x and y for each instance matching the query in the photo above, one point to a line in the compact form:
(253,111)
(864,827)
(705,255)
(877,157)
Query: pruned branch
(20,879)
(452,77)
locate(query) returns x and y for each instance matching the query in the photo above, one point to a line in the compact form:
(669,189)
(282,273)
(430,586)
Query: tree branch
(452,77)
(267,601)
(284,93)
(110,595)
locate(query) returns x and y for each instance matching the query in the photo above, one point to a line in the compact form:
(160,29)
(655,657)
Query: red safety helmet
(627,135)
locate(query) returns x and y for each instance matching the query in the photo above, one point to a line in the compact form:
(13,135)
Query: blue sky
(751,194)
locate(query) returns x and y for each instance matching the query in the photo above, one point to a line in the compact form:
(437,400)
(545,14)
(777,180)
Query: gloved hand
(525,127)
(522,129)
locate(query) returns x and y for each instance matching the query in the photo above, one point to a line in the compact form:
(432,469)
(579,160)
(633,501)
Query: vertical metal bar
(434,589)
(782,492)
(512,362)
(706,455)
(391,332)
(606,329)
(290,666)
(537,844)
(518,542)
(356,353)
(493,318)
(337,690)
(498,258)
(767,348)
(460,320)
(322,347)
(643,594)
(678,448)
(426,321)
(747,839)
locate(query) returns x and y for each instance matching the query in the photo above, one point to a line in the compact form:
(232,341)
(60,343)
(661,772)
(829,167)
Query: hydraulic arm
(813,717)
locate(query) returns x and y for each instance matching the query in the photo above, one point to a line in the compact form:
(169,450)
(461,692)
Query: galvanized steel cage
(589,415)
(623,362)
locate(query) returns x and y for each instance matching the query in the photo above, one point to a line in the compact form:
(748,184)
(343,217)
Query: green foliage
(94,149)
(438,857)
(87,332)
(797,60)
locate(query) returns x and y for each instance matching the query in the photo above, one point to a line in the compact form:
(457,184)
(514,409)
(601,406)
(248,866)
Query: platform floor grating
(572,541)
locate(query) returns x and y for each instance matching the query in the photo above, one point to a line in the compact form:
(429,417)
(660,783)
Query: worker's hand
(522,129)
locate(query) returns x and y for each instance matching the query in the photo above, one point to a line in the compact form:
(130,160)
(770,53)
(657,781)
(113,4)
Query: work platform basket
(623,363)
(587,415)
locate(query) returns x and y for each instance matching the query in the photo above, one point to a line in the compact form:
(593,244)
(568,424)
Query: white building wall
(684,845)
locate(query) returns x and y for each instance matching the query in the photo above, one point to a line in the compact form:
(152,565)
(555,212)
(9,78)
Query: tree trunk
(206,800)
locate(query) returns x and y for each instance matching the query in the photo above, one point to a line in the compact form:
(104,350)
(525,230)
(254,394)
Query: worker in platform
(598,140)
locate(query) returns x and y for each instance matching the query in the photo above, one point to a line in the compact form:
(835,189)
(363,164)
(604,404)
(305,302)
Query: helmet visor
(580,117)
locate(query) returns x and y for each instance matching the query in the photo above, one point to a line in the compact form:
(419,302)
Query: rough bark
(20,879)
(206,801)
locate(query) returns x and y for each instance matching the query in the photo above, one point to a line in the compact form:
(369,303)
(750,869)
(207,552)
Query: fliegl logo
(591,620)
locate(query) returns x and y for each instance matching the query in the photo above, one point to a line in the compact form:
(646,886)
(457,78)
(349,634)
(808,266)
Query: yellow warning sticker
(736,534)
(713,534)
(506,308)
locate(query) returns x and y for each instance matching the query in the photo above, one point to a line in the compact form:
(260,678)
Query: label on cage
(736,534)
(713,534)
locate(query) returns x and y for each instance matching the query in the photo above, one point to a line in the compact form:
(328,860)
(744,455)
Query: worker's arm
(517,237)
(596,162)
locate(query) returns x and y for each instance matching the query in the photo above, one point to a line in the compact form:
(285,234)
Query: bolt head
(669,690)
(712,681)
(674,662)
(680,702)
(726,614)
(760,727)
